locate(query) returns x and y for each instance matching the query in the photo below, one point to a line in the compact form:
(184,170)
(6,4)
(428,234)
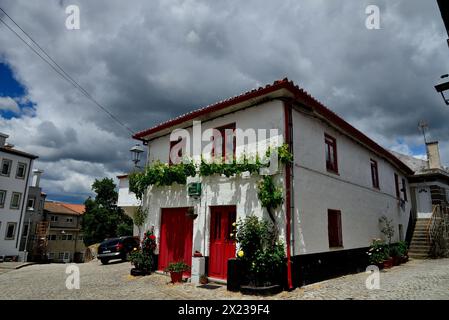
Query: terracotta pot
(176,277)
(396,261)
(388,263)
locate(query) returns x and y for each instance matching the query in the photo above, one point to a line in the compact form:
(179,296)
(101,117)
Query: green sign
(194,189)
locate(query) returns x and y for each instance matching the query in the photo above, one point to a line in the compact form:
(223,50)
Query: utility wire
(58,69)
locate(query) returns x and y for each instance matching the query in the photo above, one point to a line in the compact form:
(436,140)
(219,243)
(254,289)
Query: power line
(58,69)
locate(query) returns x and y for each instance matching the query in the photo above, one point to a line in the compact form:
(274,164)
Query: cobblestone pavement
(425,279)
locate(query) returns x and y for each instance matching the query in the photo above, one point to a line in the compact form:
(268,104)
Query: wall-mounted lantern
(136,152)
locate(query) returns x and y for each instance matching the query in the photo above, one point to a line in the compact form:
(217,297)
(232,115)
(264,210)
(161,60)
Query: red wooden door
(222,247)
(175,237)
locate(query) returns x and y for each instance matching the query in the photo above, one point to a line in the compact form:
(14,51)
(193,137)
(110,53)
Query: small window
(69,220)
(176,151)
(334,228)
(2,198)
(64,237)
(10,231)
(41,204)
(374,174)
(54,218)
(331,153)
(70,237)
(21,170)
(404,189)
(30,204)
(66,255)
(61,256)
(51,255)
(52,237)
(225,144)
(6,167)
(15,200)
(396,183)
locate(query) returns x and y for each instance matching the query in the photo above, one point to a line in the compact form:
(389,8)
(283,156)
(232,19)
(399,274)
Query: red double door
(222,246)
(175,237)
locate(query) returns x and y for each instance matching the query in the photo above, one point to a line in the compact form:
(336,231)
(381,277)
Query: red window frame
(222,131)
(396,182)
(172,143)
(374,173)
(334,228)
(331,149)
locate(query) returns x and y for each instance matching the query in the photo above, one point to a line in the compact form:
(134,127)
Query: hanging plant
(270,195)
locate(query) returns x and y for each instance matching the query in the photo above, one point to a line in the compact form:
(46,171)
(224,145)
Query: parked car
(117,248)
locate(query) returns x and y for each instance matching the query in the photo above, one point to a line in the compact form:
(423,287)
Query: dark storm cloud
(148,61)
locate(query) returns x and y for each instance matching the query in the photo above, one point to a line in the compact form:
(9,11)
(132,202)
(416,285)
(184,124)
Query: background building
(15,176)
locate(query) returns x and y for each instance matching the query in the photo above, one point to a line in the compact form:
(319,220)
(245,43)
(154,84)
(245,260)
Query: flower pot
(176,277)
(396,261)
(404,259)
(388,263)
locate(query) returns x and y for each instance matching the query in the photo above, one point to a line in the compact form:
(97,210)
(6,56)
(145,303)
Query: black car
(117,248)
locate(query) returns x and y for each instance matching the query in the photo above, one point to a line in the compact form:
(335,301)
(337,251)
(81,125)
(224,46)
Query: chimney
(433,155)
(3,138)
(37,177)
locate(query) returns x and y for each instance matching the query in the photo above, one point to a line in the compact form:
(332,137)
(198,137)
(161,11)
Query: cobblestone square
(417,279)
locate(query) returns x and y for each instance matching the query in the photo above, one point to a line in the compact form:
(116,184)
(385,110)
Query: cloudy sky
(150,60)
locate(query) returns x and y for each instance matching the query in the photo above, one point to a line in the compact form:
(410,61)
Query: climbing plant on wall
(161,174)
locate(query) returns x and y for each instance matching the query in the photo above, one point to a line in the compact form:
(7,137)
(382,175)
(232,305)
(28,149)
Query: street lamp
(440,88)
(136,151)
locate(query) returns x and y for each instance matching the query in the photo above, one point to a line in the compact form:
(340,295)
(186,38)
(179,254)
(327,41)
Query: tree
(103,219)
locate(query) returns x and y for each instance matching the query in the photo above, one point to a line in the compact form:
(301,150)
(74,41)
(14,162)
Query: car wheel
(104,261)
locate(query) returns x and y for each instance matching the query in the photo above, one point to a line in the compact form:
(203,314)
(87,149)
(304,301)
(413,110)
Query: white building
(338,186)
(15,177)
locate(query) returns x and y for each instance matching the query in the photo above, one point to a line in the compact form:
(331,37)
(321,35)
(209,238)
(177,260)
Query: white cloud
(9,104)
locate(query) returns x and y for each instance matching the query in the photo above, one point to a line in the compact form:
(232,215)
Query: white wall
(351,191)
(216,190)
(12,184)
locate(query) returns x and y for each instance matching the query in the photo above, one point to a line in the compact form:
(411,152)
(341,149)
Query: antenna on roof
(423,127)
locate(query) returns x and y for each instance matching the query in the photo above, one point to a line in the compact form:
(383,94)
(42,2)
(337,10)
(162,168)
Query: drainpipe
(288,185)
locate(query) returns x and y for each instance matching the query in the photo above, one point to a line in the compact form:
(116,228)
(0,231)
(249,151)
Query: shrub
(179,266)
(143,259)
(260,252)
(378,252)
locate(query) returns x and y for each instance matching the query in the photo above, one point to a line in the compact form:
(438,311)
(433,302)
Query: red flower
(152,237)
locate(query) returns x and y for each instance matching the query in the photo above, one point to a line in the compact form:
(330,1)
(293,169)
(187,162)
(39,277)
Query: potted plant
(176,270)
(378,254)
(203,279)
(403,251)
(395,254)
(142,258)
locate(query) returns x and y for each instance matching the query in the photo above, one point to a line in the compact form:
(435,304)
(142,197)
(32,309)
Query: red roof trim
(300,96)
(122,176)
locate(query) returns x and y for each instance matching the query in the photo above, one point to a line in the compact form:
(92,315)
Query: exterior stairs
(420,245)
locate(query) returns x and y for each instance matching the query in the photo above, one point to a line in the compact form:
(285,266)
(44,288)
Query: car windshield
(110,242)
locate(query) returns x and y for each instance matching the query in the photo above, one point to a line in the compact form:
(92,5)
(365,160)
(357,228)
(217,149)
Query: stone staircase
(419,246)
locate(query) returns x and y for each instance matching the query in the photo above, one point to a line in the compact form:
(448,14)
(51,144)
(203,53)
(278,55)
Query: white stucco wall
(216,190)
(12,184)
(351,191)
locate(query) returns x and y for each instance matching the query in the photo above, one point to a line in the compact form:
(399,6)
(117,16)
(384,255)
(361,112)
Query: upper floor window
(15,200)
(396,184)
(374,174)
(69,220)
(10,231)
(334,228)
(331,153)
(225,143)
(54,218)
(176,148)
(2,198)
(21,170)
(6,167)
(30,204)
(404,189)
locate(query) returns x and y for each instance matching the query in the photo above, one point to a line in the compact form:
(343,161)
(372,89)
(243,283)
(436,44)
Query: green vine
(161,174)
